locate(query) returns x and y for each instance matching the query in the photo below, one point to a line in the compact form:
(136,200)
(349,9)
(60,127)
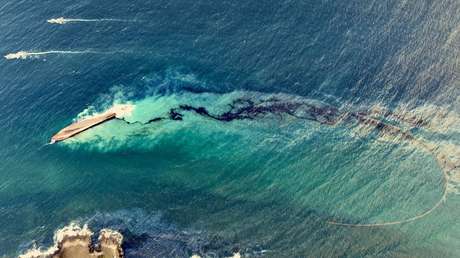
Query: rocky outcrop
(74,241)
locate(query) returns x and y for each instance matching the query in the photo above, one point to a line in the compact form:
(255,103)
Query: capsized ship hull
(81,126)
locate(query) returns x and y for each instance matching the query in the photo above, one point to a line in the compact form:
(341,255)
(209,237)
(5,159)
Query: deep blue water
(266,186)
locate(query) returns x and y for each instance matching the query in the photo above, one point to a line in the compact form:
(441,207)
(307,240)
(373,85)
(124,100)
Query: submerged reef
(74,241)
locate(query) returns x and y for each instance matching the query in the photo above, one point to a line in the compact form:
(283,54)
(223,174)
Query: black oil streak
(247,109)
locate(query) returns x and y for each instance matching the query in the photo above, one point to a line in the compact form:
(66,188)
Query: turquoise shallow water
(266,186)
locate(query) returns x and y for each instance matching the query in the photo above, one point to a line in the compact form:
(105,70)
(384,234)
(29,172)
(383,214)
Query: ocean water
(267,185)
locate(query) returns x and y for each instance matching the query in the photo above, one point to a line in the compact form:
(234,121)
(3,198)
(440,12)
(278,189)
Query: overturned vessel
(81,126)
(117,111)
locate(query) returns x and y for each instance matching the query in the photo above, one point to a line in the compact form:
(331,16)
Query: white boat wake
(62,20)
(25,54)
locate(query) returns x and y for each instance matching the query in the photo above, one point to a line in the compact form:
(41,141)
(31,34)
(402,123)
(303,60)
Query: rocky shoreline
(74,241)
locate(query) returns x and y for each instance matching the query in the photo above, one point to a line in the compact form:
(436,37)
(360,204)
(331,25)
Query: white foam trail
(62,20)
(25,54)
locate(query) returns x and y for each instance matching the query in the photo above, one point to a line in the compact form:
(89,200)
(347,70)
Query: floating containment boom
(81,126)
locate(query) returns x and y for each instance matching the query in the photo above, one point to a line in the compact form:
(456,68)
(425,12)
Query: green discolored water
(265,182)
